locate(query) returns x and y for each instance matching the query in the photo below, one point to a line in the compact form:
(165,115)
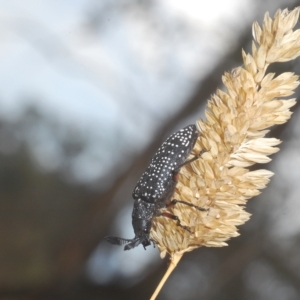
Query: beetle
(156,186)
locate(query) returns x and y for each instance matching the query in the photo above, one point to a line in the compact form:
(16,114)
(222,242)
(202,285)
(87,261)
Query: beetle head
(142,235)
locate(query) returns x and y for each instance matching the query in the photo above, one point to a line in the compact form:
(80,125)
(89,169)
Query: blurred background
(89,89)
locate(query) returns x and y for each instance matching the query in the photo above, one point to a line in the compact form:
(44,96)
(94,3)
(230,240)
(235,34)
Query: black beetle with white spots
(155,188)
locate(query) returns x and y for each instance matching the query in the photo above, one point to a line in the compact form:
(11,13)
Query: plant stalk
(173,263)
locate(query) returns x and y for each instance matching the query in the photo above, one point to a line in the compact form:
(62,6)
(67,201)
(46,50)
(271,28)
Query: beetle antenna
(133,243)
(117,240)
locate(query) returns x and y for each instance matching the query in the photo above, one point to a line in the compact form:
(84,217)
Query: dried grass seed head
(233,134)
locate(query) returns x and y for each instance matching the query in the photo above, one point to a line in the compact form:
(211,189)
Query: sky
(120,69)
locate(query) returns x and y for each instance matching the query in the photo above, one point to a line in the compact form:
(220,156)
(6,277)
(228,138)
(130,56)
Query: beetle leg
(175,218)
(190,160)
(174,201)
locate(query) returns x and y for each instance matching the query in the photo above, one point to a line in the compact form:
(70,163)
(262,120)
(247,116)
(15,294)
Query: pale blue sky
(118,80)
